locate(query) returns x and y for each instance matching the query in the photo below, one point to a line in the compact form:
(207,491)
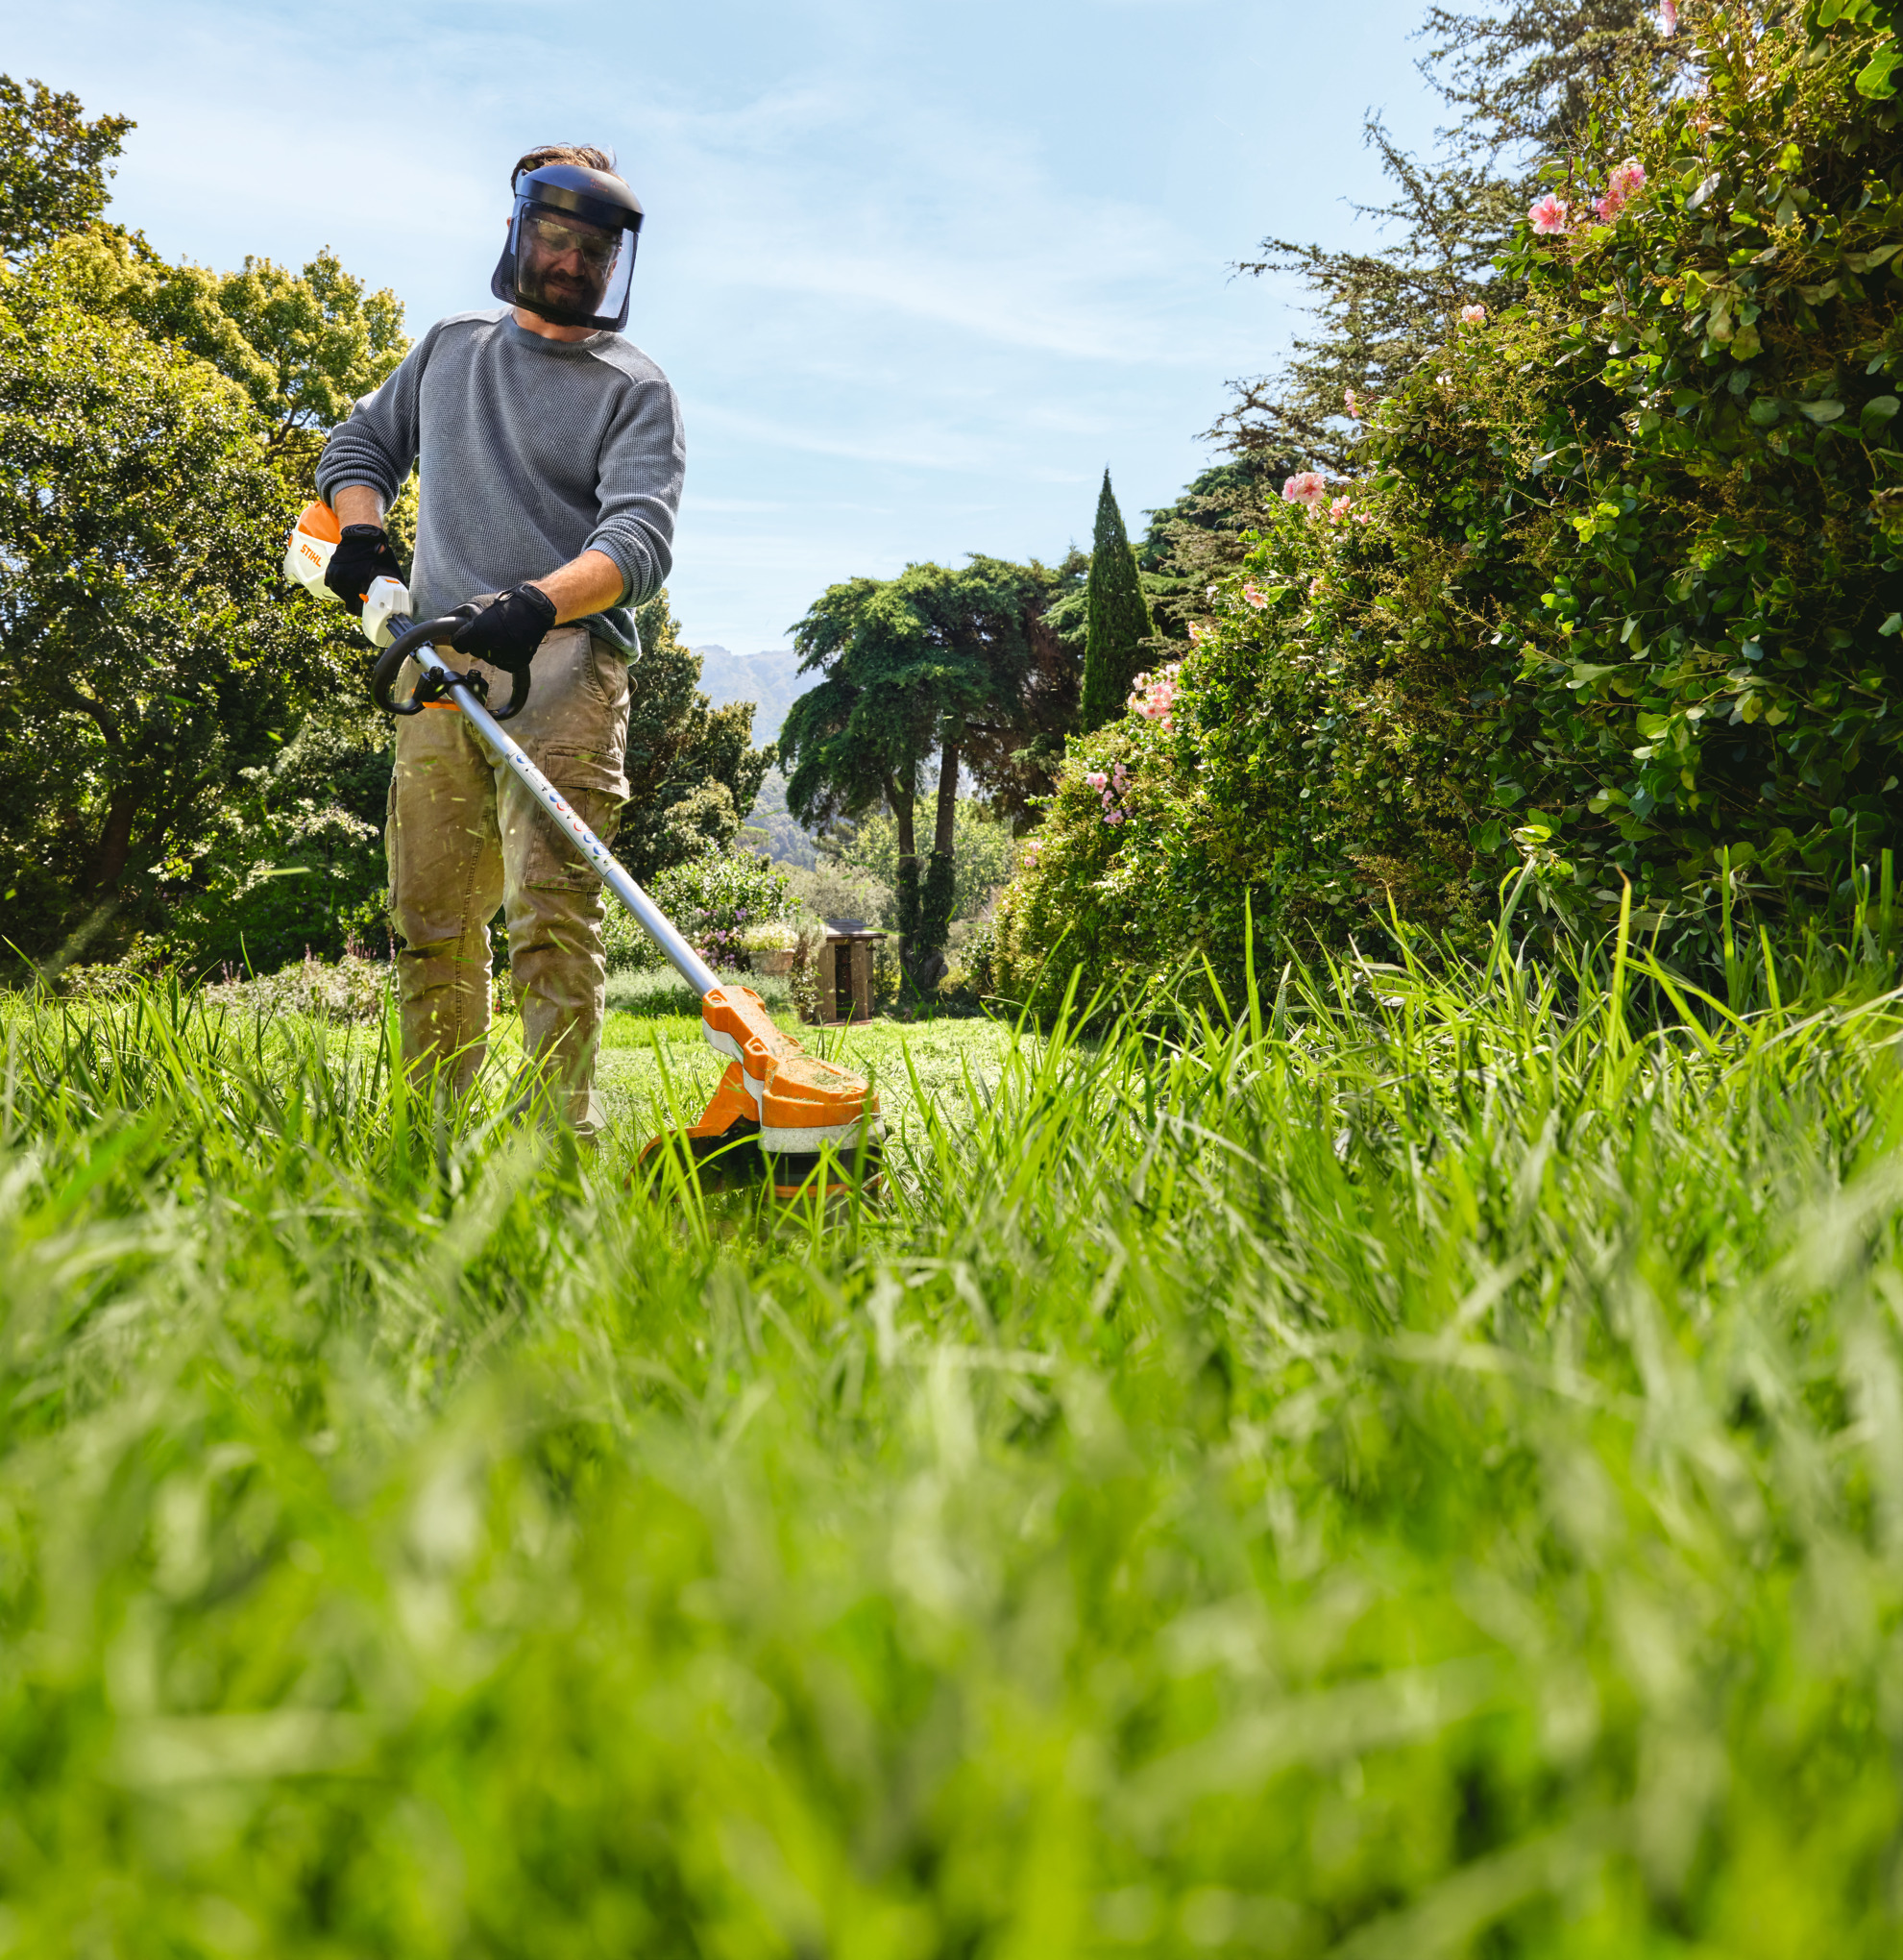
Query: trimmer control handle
(436,685)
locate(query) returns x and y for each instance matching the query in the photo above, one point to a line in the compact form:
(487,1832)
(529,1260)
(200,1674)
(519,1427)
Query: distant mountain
(775,834)
(772,681)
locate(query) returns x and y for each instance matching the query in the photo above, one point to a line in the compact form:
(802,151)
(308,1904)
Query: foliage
(1261,1492)
(1595,545)
(293,863)
(935,656)
(984,852)
(152,656)
(911,661)
(776,833)
(691,768)
(1117,620)
(833,889)
(1202,535)
(303,346)
(1519,82)
(52,164)
(712,898)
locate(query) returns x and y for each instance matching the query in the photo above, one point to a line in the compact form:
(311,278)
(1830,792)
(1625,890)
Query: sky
(920,272)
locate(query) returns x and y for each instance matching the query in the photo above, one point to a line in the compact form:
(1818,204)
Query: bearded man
(552,460)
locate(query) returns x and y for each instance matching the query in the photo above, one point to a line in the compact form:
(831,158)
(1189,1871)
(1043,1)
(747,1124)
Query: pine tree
(1519,85)
(1119,619)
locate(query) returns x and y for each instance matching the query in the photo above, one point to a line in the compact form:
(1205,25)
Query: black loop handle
(433,632)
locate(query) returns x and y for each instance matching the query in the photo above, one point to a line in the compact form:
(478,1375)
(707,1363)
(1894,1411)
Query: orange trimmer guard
(801,1104)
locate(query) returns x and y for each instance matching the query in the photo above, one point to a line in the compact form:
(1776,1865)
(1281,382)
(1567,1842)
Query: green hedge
(1615,596)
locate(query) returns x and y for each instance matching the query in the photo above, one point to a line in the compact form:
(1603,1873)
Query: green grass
(1419,1471)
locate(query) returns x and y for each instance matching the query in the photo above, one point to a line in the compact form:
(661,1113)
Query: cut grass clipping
(1417,1471)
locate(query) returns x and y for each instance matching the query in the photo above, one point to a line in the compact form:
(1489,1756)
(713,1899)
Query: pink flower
(1547,215)
(1253,595)
(1353,406)
(1339,509)
(1096,778)
(1473,316)
(1305,486)
(1629,177)
(1667,17)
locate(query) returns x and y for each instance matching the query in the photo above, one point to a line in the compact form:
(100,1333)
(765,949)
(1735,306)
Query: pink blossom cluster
(1154,695)
(1109,789)
(1473,316)
(1354,406)
(1551,216)
(1667,17)
(1339,508)
(1307,487)
(1253,595)
(1624,181)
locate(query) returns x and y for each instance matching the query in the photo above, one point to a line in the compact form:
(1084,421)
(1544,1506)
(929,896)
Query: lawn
(1416,1471)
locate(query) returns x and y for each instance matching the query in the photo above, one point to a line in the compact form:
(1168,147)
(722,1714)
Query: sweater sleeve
(639,473)
(375,444)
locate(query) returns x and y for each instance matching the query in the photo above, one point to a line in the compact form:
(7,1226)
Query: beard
(574,292)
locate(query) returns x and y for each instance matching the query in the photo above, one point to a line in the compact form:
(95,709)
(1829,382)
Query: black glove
(363,553)
(508,629)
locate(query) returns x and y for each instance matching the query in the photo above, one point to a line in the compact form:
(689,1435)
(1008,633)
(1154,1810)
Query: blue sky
(920,271)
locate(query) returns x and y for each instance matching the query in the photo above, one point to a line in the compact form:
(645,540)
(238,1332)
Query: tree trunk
(901,803)
(115,842)
(945,832)
(935,893)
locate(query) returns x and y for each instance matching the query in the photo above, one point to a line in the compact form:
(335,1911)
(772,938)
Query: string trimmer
(800,1120)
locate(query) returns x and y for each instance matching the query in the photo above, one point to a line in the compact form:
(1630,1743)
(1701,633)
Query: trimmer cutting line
(799,1119)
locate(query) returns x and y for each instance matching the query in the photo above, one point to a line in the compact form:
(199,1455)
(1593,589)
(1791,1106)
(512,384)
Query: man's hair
(588,155)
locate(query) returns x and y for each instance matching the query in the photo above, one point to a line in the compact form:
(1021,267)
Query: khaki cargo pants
(465,838)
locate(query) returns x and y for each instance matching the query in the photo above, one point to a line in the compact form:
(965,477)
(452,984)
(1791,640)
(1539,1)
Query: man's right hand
(363,553)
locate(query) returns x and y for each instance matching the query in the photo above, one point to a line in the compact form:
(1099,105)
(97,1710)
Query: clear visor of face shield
(569,270)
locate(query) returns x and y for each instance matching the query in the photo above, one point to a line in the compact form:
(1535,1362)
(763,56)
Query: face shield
(569,252)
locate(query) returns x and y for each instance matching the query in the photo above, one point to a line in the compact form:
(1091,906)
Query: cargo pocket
(552,860)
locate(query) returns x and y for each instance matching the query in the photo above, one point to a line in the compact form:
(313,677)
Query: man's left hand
(508,629)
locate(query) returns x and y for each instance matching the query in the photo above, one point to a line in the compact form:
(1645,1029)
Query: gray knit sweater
(532,451)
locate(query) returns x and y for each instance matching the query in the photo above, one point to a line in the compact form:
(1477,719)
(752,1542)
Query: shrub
(713,899)
(1612,597)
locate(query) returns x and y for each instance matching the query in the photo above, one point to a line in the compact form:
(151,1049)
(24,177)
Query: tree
(934,658)
(1119,620)
(693,771)
(158,422)
(1519,84)
(150,652)
(1201,535)
(303,346)
(52,167)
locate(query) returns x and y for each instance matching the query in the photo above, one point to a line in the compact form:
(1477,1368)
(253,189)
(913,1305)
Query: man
(552,461)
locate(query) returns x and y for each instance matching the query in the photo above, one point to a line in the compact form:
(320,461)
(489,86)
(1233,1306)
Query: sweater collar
(537,343)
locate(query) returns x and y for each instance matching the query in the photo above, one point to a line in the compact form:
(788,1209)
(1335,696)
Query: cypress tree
(1117,620)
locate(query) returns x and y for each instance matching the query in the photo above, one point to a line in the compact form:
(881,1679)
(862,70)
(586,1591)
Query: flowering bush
(1111,790)
(713,899)
(1623,606)
(1154,695)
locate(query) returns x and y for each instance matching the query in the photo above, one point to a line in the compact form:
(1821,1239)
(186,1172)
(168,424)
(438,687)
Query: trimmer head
(778,1112)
